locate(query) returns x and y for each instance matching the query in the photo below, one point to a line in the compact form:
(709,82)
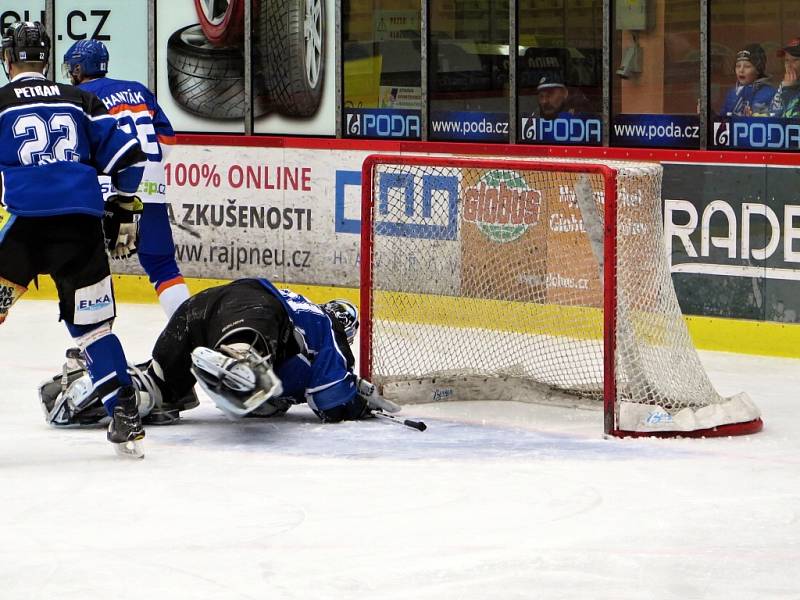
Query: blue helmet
(346,313)
(91,55)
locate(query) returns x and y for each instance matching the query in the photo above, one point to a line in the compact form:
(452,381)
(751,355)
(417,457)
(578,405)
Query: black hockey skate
(125,430)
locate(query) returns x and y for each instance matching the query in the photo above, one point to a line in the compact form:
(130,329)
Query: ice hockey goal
(490,278)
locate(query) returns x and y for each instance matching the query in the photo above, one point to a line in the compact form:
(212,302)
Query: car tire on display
(222,21)
(289,53)
(205,80)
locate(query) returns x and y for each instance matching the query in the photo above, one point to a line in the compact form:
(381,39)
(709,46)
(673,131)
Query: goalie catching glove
(121,225)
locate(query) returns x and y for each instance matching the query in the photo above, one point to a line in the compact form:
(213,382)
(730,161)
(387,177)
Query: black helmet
(28,42)
(346,313)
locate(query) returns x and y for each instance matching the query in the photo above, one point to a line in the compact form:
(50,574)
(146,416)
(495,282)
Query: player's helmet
(91,55)
(346,313)
(26,41)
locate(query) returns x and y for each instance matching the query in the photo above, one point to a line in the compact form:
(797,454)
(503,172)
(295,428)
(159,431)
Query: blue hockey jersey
(54,140)
(137,112)
(321,374)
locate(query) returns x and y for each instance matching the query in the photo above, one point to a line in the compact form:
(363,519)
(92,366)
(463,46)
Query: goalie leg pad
(239,381)
(69,400)
(157,403)
(72,400)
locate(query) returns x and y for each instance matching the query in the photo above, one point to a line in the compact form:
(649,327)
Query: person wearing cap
(786,102)
(554,97)
(752,95)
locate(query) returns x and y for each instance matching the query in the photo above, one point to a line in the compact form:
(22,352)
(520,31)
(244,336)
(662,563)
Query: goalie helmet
(91,55)
(26,41)
(346,313)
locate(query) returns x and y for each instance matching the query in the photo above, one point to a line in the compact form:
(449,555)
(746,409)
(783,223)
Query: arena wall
(289,209)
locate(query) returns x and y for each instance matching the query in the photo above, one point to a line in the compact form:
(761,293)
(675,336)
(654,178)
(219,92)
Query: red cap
(792,47)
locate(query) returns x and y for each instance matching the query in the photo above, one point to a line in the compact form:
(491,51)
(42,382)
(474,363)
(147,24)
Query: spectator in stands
(555,99)
(752,95)
(786,102)
(781,314)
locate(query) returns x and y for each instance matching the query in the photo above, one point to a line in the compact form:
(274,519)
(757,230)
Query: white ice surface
(495,500)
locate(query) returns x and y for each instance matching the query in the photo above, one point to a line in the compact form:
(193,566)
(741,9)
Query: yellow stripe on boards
(544,319)
(137,289)
(745,337)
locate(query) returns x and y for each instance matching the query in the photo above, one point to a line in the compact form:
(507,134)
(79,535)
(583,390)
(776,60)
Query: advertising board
(732,232)
(200,66)
(119,24)
(733,237)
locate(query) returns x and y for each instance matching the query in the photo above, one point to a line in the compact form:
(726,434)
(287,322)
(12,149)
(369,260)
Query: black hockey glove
(366,400)
(355,409)
(121,225)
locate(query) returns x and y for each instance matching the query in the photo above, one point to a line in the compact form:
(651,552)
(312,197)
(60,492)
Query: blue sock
(105,361)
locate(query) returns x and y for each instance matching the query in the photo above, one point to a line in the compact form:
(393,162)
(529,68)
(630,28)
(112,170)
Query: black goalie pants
(227,314)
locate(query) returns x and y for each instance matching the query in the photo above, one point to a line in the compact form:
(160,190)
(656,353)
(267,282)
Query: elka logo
(502,206)
(95,303)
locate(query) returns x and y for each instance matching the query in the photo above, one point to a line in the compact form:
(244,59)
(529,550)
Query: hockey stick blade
(418,425)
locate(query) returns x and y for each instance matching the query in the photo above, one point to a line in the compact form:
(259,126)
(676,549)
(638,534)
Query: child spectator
(786,102)
(752,94)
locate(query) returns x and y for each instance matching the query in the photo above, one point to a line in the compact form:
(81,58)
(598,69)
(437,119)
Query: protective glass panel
(656,73)
(559,71)
(468,78)
(382,68)
(755,75)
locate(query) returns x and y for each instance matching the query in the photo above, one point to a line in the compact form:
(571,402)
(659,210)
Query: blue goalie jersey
(321,374)
(54,141)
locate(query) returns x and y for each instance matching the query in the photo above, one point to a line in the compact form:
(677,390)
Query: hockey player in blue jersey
(54,140)
(255,349)
(137,112)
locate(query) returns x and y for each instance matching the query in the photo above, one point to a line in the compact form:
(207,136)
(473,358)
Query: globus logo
(502,205)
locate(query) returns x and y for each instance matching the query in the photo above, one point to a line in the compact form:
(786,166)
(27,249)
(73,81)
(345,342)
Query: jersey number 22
(46,141)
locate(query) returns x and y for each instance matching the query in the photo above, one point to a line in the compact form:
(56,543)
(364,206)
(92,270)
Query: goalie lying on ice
(253,348)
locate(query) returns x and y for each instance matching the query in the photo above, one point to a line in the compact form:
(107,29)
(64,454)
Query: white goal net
(534,281)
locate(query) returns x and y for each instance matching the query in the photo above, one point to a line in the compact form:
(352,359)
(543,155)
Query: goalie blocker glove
(365,401)
(369,393)
(121,225)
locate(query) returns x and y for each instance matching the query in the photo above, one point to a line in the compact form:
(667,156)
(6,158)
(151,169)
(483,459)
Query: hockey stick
(192,232)
(418,425)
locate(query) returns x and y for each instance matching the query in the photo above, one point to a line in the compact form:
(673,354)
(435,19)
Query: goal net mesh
(488,282)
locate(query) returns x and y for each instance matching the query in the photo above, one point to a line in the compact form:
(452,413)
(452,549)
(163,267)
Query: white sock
(172,297)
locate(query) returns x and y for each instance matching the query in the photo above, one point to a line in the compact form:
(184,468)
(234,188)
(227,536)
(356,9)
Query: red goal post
(531,280)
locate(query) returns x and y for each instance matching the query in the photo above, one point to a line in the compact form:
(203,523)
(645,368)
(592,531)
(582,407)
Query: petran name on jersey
(123,97)
(33,91)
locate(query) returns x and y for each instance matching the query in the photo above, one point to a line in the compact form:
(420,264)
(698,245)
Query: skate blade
(130,449)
